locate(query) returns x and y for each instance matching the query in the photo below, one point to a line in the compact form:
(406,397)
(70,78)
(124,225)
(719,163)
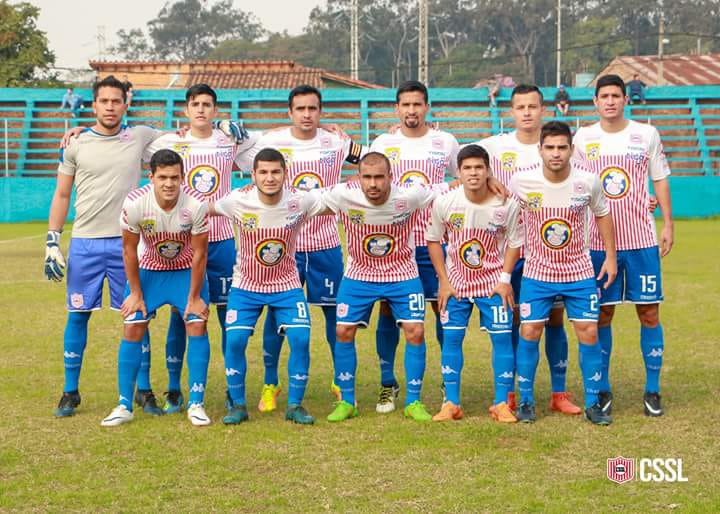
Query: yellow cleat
(268,397)
(334,389)
(448,412)
(502,413)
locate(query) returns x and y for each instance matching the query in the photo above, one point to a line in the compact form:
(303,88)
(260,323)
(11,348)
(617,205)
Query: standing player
(417,155)
(269,217)
(379,219)
(625,154)
(557,201)
(510,152)
(478,226)
(314,158)
(103,164)
(173,224)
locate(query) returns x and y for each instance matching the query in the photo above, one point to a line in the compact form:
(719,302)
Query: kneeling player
(173,224)
(477,225)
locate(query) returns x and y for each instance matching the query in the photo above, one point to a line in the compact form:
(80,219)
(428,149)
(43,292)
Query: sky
(72,25)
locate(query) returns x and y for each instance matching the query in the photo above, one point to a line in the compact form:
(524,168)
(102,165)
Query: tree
(24,53)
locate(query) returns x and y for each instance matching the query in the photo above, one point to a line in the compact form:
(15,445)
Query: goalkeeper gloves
(54,260)
(233,129)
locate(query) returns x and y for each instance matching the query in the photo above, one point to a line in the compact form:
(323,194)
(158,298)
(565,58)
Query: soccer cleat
(197,415)
(653,407)
(526,413)
(146,399)
(298,414)
(335,390)
(174,402)
(343,410)
(561,402)
(228,400)
(511,401)
(442,391)
(502,413)
(236,414)
(67,405)
(118,416)
(605,399)
(595,415)
(268,397)
(449,411)
(386,399)
(417,411)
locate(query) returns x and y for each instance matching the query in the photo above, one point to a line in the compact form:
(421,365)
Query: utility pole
(661,43)
(423,41)
(354,41)
(559,42)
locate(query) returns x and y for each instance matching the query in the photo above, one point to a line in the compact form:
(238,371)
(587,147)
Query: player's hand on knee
(132,304)
(506,294)
(198,307)
(71,133)
(54,260)
(609,269)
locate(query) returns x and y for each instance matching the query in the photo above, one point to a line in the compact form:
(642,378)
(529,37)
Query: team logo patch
(231,316)
(437,143)
(556,234)
(169,249)
(182,149)
(525,310)
(287,154)
(636,138)
(356,216)
(499,216)
(444,317)
(147,226)
(508,161)
(414,177)
(457,221)
(471,254)
(293,205)
(249,222)
(534,201)
(270,252)
(378,245)
(579,188)
(592,151)
(77,300)
(393,154)
(620,469)
(185,215)
(125,135)
(615,182)
(307,181)
(400,205)
(342,310)
(204,179)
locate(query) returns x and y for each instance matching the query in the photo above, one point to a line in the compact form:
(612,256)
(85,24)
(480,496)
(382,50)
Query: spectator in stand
(72,101)
(128,89)
(494,89)
(562,101)
(636,89)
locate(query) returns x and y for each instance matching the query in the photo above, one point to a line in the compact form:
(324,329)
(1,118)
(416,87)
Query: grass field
(373,463)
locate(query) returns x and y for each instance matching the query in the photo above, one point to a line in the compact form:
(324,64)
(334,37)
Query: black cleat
(605,399)
(653,407)
(145,398)
(596,416)
(526,413)
(67,405)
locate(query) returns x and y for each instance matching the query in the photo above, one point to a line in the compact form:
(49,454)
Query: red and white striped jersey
(508,155)
(380,240)
(419,160)
(477,236)
(624,161)
(311,164)
(208,165)
(266,237)
(165,235)
(556,222)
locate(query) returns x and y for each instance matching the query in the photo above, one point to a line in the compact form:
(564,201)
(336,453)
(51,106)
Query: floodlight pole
(423,41)
(661,44)
(354,41)
(559,42)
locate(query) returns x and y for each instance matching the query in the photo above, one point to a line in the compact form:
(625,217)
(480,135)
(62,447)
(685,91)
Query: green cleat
(417,411)
(343,410)
(298,414)
(236,414)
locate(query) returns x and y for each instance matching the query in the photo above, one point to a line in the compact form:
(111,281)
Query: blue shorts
(638,280)
(356,298)
(89,262)
(322,271)
(537,298)
(494,318)
(428,277)
(165,288)
(220,262)
(244,308)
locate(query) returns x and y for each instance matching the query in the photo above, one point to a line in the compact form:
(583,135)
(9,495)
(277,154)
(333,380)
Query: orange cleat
(502,413)
(448,412)
(511,401)
(561,402)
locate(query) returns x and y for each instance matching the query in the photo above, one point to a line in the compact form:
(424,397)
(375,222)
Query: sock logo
(383,361)
(197,388)
(596,377)
(655,352)
(173,360)
(345,376)
(229,372)
(298,376)
(523,379)
(122,398)
(505,374)
(145,348)
(447,370)
(561,364)
(415,382)
(71,355)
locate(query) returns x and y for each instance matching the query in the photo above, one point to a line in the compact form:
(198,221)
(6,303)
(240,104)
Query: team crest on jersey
(457,221)
(248,221)
(147,226)
(413,178)
(534,201)
(270,252)
(508,161)
(556,234)
(378,245)
(393,154)
(307,181)
(204,179)
(287,154)
(592,151)
(169,249)
(182,149)
(471,254)
(615,182)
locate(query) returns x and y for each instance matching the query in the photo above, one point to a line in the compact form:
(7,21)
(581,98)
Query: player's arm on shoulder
(134,302)
(314,203)
(332,197)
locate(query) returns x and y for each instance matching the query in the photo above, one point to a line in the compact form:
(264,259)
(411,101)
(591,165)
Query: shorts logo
(147,226)
(342,310)
(525,310)
(204,179)
(182,149)
(592,151)
(231,316)
(457,221)
(307,181)
(471,254)
(413,178)
(356,216)
(270,252)
(620,469)
(534,201)
(77,300)
(556,234)
(393,154)
(615,182)
(378,245)
(169,249)
(508,160)
(249,222)
(287,153)
(444,317)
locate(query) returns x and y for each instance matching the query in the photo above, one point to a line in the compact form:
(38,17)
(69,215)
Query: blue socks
(74,343)
(414,371)
(330,313)
(556,351)
(236,364)
(652,344)
(451,361)
(591,366)
(387,337)
(175,350)
(143,377)
(503,363)
(129,357)
(198,357)
(298,363)
(345,369)
(272,345)
(528,355)
(605,340)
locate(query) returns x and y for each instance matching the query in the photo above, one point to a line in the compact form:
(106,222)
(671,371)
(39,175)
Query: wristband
(505,277)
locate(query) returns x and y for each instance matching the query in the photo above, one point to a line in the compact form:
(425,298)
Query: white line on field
(20,238)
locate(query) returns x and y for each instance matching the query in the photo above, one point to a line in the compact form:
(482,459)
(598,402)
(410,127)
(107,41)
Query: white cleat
(197,415)
(386,399)
(118,416)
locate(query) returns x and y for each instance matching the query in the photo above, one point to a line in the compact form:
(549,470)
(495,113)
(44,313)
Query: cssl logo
(620,469)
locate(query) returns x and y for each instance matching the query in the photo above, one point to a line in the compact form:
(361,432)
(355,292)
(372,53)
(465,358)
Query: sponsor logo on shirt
(471,254)
(182,149)
(356,216)
(248,221)
(327,158)
(534,201)
(508,161)
(169,249)
(457,221)
(414,177)
(592,151)
(393,154)
(204,179)
(287,154)
(147,226)
(378,245)
(556,234)
(307,181)
(615,182)
(270,252)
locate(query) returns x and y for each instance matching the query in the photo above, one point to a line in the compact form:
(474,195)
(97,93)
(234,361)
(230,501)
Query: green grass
(372,463)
